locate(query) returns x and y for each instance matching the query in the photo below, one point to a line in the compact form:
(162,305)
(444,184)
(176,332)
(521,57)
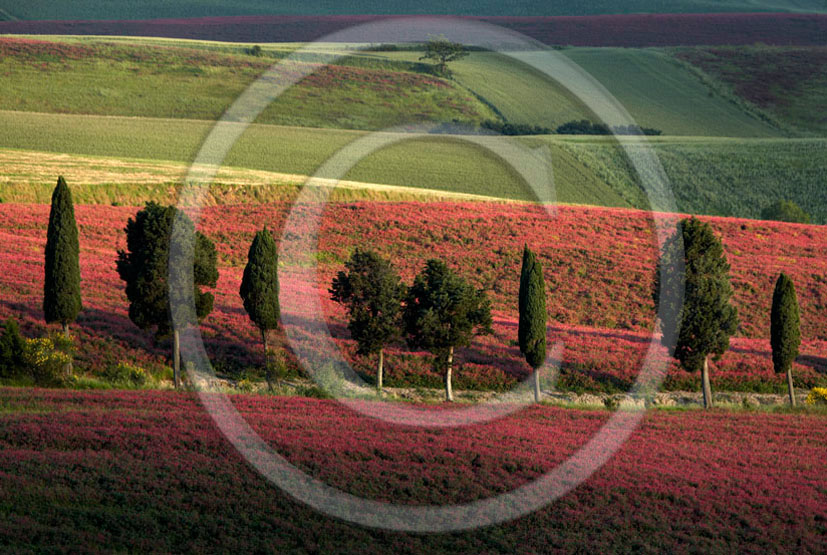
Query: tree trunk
(176,359)
(537,385)
(67,368)
(379,370)
(707,389)
(790,385)
(267,377)
(449,393)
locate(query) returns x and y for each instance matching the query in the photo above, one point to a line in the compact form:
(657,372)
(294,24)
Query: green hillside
(655,88)
(99,77)
(730,177)
(788,83)
(150,9)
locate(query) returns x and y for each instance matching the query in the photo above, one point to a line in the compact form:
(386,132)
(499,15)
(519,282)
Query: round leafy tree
(442,312)
(785,333)
(785,211)
(153,288)
(532,325)
(372,292)
(706,318)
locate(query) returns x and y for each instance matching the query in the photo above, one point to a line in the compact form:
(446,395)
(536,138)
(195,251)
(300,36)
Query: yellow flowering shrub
(817,396)
(46,358)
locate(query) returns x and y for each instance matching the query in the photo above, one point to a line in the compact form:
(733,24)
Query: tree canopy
(260,284)
(144,267)
(61,286)
(442,51)
(531,332)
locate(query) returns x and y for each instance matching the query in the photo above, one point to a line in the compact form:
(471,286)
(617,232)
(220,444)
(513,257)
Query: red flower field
(598,263)
(601,30)
(148,471)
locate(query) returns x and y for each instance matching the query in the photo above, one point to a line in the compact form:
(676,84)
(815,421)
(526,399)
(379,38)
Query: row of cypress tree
(439,312)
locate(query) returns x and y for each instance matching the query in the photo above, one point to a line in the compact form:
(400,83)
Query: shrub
(785,211)
(817,396)
(12,348)
(46,357)
(126,374)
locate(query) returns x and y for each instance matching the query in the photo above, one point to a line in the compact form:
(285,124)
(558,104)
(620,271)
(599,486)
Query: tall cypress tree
(260,287)
(61,288)
(144,267)
(532,326)
(706,318)
(785,333)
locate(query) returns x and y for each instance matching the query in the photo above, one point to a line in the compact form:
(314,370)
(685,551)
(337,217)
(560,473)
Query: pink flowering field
(149,472)
(598,264)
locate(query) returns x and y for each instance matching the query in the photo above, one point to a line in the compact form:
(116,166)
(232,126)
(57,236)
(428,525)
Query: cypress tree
(442,312)
(373,292)
(785,333)
(144,267)
(260,287)
(706,318)
(61,288)
(532,326)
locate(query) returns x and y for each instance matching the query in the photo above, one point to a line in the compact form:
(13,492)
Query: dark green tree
(61,288)
(442,312)
(785,332)
(442,51)
(11,350)
(260,288)
(706,318)
(532,326)
(153,287)
(373,292)
(785,211)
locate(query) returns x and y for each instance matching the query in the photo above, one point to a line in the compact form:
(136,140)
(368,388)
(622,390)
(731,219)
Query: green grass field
(166,78)
(149,9)
(97,77)
(655,89)
(730,177)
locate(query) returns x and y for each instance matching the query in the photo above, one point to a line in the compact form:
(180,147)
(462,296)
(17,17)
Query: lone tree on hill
(373,292)
(61,287)
(532,326)
(144,267)
(442,312)
(260,288)
(706,319)
(785,334)
(442,51)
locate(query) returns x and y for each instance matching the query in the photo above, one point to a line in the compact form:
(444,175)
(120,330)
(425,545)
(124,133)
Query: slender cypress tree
(785,333)
(532,327)
(260,288)
(373,292)
(61,288)
(706,318)
(144,267)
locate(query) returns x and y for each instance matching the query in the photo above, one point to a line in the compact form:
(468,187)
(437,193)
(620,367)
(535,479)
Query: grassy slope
(656,90)
(789,83)
(709,176)
(435,163)
(148,9)
(105,79)
(727,177)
